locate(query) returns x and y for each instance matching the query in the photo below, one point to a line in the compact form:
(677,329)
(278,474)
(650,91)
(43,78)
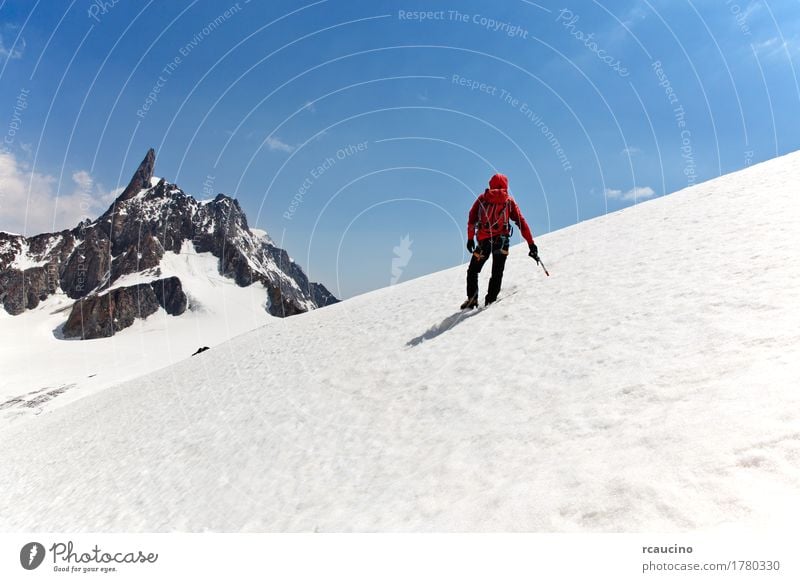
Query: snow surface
(41,371)
(262,235)
(651,383)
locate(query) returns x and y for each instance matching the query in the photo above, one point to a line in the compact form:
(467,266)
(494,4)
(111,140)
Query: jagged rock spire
(141,178)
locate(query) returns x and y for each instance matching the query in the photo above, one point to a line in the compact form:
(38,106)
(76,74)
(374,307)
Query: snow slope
(651,383)
(42,372)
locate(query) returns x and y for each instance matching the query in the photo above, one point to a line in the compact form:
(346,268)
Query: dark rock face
(10,246)
(145,222)
(23,290)
(30,268)
(170,295)
(104,315)
(87,268)
(321,296)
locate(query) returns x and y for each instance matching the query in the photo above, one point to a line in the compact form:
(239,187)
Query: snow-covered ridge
(262,235)
(211,218)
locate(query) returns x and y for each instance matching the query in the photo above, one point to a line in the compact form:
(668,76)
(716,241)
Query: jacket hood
(496,196)
(498,182)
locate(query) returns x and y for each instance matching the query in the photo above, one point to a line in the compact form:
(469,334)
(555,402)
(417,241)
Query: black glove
(471,245)
(534,253)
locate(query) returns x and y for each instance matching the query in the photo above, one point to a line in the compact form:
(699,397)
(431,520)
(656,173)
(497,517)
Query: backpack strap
(497,216)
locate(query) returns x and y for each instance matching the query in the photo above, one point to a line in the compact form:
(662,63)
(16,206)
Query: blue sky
(343,126)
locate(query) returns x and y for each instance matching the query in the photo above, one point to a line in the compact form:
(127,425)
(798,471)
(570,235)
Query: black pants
(497,248)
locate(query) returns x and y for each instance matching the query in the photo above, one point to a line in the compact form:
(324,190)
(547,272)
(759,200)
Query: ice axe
(541,264)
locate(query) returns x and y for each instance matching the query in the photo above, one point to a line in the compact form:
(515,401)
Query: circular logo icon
(31,555)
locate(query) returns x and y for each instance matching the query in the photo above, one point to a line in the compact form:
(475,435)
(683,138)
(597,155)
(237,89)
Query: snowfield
(650,384)
(42,371)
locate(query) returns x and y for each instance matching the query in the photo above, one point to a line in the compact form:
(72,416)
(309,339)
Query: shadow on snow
(447,323)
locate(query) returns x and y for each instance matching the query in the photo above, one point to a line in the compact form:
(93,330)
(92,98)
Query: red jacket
(492,211)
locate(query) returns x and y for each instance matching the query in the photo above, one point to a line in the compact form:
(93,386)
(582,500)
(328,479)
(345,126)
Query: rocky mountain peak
(141,178)
(132,236)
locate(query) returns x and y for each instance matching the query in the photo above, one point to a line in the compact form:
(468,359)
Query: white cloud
(275,144)
(83,180)
(31,203)
(637,193)
(14,52)
(634,16)
(774,46)
(767,44)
